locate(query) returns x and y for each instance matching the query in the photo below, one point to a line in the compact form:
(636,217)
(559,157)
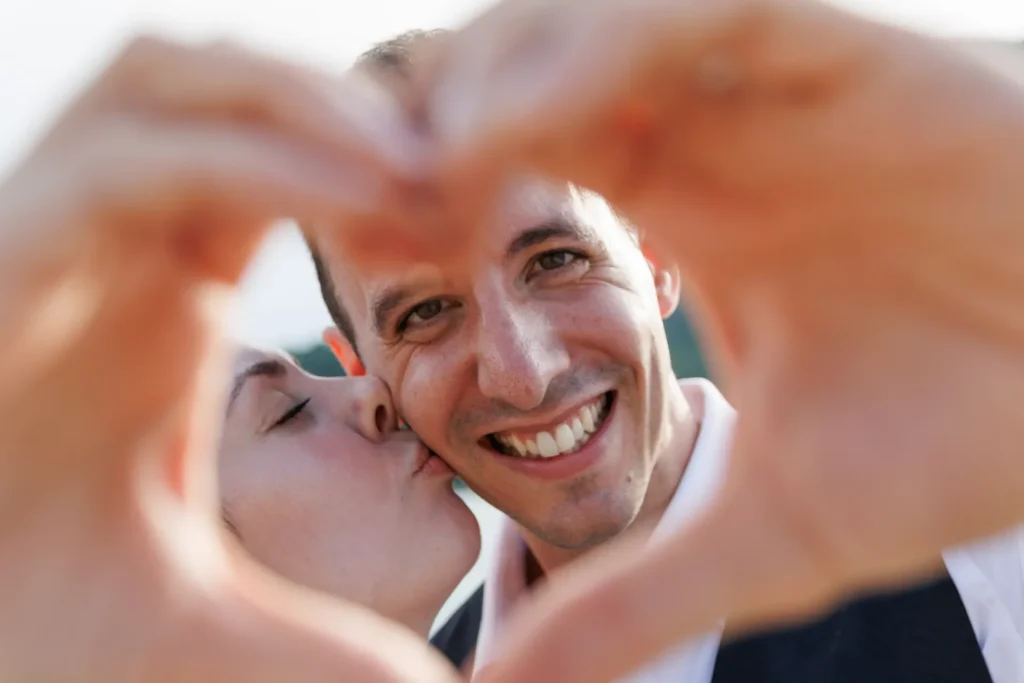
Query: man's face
(539,371)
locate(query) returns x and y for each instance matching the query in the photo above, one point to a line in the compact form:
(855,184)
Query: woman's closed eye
(289,415)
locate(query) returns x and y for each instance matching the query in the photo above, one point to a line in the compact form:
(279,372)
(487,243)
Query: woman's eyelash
(290,414)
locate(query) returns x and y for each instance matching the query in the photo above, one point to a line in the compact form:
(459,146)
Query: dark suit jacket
(457,638)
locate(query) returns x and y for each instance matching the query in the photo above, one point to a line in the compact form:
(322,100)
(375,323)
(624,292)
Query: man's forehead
(528,200)
(529,211)
(525,203)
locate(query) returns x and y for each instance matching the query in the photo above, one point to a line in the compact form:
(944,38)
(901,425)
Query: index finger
(352,115)
(622,607)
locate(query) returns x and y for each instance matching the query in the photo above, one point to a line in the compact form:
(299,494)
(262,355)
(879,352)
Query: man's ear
(344,352)
(666,282)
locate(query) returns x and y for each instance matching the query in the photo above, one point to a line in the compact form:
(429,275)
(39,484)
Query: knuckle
(145,50)
(140,59)
(611,608)
(111,164)
(274,78)
(745,21)
(223,48)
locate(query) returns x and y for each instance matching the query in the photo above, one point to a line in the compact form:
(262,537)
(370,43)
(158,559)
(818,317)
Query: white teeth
(547,445)
(577,429)
(567,437)
(564,438)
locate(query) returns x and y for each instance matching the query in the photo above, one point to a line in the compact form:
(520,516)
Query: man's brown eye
(427,310)
(423,313)
(553,260)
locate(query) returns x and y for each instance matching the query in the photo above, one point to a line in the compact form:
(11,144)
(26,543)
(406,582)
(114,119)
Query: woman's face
(321,486)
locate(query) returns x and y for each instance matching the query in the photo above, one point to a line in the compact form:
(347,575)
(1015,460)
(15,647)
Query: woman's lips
(429,463)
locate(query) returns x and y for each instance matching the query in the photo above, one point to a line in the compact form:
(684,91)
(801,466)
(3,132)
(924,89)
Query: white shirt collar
(706,468)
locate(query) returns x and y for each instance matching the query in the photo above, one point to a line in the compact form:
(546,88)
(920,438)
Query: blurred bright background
(48,48)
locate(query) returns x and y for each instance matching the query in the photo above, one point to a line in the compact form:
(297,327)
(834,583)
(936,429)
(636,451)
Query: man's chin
(582,537)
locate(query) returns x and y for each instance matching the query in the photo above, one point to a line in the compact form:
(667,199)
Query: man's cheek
(429,425)
(422,396)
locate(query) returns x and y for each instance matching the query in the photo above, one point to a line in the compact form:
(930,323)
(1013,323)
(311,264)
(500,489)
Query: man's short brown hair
(395,57)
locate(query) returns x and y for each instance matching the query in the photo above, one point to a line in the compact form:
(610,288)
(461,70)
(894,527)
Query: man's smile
(563,436)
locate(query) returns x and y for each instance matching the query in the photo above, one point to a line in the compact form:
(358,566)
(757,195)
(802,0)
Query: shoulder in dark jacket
(457,638)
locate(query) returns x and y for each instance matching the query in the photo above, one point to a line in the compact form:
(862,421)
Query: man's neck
(673,448)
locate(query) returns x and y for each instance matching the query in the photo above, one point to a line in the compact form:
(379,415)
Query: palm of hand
(121,237)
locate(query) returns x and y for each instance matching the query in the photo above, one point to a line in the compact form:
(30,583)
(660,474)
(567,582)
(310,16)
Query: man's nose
(369,407)
(519,353)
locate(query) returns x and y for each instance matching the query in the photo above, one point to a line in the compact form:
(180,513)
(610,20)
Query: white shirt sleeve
(989,574)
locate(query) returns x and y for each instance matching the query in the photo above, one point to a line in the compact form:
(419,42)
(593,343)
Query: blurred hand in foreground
(845,201)
(120,237)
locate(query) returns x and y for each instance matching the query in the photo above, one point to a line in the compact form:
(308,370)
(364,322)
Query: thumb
(267,630)
(739,559)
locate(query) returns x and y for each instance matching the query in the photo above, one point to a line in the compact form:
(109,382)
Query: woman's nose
(372,410)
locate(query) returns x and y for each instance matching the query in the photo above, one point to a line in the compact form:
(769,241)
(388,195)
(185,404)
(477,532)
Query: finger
(261,629)
(199,196)
(523,60)
(741,560)
(352,115)
(462,97)
(137,166)
(520,73)
(577,95)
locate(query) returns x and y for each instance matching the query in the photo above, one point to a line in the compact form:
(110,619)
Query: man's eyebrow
(385,304)
(264,368)
(552,229)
